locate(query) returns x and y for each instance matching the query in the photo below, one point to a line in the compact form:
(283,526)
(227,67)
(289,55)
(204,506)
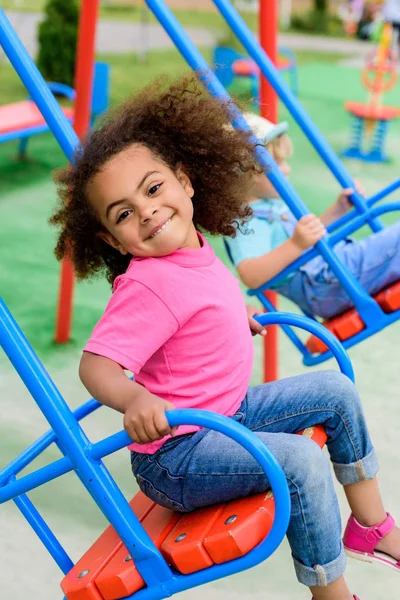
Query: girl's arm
(144,413)
(256,271)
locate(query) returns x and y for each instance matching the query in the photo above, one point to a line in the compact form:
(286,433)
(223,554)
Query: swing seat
(20,116)
(350,323)
(189,542)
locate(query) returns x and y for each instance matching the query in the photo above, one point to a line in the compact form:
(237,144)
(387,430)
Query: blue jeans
(204,468)
(375,262)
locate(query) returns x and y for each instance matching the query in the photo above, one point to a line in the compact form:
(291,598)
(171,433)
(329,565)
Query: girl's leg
(207,468)
(331,399)
(366,505)
(219,470)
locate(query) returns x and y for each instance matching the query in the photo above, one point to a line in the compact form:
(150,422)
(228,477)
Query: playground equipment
(147,551)
(229,64)
(372,315)
(370,120)
(23,120)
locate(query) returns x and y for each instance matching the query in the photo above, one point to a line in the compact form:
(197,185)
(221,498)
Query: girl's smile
(158,230)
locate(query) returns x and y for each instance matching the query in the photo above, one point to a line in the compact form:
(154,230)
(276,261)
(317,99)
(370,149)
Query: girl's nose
(147,213)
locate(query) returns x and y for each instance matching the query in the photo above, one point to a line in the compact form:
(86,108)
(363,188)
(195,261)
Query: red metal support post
(84,75)
(268,34)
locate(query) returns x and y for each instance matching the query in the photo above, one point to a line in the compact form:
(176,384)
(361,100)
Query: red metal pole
(84,74)
(268,33)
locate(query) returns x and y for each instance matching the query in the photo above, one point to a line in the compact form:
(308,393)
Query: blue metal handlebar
(339,353)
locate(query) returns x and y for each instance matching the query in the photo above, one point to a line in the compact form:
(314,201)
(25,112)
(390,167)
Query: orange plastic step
(184,547)
(120,576)
(246,522)
(79,583)
(349,323)
(241,526)
(389,298)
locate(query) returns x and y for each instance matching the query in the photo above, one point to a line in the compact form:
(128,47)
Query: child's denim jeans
(206,467)
(375,262)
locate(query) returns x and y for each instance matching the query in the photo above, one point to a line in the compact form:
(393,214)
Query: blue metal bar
(37,87)
(93,474)
(315,328)
(29,482)
(395,185)
(294,338)
(345,219)
(24,133)
(44,533)
(33,451)
(359,221)
(373,200)
(246,37)
(361,300)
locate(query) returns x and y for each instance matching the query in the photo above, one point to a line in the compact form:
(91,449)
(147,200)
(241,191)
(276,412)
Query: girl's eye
(123,215)
(154,189)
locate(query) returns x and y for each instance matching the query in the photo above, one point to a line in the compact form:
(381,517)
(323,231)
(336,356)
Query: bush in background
(57,36)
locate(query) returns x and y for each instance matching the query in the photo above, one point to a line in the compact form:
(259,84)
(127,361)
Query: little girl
(162,167)
(272,239)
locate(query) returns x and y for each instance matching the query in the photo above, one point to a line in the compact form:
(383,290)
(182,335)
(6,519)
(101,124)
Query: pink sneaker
(360,542)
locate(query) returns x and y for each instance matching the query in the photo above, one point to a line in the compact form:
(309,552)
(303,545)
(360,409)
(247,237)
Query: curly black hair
(181,126)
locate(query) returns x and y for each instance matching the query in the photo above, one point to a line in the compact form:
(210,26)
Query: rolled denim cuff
(321,575)
(361,470)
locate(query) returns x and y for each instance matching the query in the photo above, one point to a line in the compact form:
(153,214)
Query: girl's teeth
(161,228)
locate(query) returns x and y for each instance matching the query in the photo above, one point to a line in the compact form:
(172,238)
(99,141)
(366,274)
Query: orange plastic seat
(120,577)
(369,111)
(349,323)
(189,542)
(24,115)
(79,583)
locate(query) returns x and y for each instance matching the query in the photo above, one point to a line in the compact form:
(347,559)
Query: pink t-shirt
(179,324)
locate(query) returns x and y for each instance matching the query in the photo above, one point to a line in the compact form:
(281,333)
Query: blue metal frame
(372,315)
(84,458)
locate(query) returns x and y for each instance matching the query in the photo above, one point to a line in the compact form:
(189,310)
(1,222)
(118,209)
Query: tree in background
(57,36)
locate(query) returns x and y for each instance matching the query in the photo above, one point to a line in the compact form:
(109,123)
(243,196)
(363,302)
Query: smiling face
(145,207)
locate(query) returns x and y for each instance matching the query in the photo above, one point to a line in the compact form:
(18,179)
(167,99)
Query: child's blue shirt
(270,226)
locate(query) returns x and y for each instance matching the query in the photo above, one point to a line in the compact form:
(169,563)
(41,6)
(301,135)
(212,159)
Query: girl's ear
(185,181)
(107,237)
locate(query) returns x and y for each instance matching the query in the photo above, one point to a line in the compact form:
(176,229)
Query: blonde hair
(281,148)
